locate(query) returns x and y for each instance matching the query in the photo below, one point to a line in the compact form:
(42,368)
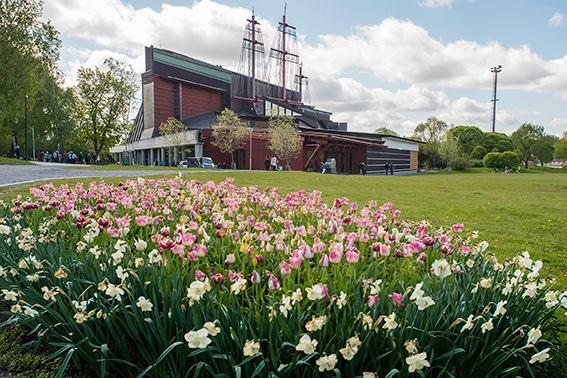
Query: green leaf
(65,363)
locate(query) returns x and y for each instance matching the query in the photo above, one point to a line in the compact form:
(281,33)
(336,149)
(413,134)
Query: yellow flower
(251,348)
(60,274)
(316,323)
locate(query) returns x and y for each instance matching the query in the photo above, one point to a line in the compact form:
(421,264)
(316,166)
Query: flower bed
(177,277)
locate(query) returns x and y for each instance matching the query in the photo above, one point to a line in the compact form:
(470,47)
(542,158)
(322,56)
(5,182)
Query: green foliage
(543,148)
(478,152)
(525,139)
(284,139)
(104,96)
(467,137)
(560,148)
(229,133)
(476,163)
(492,160)
(386,131)
(432,133)
(29,51)
(508,159)
(497,142)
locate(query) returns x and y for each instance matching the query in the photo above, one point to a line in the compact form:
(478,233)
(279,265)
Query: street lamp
(250,129)
(495,70)
(26,124)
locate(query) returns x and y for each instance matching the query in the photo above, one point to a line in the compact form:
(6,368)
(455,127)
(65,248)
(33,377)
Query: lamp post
(26,124)
(495,70)
(250,152)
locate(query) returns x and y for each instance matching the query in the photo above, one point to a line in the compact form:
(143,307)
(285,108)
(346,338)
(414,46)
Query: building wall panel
(197,101)
(164,101)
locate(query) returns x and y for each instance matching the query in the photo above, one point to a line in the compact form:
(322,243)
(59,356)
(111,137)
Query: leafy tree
(467,137)
(103,97)
(492,159)
(450,151)
(525,138)
(497,142)
(229,133)
(544,147)
(284,139)
(478,152)
(386,131)
(560,148)
(171,129)
(509,159)
(431,132)
(29,50)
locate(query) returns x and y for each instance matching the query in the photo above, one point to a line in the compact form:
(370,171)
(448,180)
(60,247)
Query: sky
(373,63)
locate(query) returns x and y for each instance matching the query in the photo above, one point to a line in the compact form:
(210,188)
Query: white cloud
(435,3)
(557,20)
(395,51)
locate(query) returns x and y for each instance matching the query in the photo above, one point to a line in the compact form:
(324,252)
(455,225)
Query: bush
(492,160)
(478,152)
(178,278)
(509,159)
(477,163)
(460,163)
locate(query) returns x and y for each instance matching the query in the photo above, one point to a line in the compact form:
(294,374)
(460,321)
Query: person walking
(391,168)
(274,163)
(17,152)
(386,168)
(267,163)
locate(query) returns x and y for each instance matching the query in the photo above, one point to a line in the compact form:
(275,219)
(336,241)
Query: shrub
(460,163)
(492,160)
(477,163)
(181,278)
(509,159)
(478,152)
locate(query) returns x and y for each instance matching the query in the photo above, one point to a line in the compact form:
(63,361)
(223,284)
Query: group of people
(272,164)
(389,168)
(68,157)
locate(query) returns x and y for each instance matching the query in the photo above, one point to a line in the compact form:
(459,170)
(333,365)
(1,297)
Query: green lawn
(514,212)
(5,161)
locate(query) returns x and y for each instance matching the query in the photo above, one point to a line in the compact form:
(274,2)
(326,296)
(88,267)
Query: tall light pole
(250,152)
(26,124)
(495,70)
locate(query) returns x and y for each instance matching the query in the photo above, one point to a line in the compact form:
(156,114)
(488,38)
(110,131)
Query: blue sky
(394,63)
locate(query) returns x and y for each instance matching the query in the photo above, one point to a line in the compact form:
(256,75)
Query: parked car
(198,162)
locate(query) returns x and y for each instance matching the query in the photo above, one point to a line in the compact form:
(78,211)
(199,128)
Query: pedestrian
(274,163)
(391,168)
(386,168)
(267,163)
(17,152)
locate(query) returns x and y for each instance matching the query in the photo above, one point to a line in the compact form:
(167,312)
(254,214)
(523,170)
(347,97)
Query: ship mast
(280,51)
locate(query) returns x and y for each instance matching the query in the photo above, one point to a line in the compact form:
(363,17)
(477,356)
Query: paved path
(23,174)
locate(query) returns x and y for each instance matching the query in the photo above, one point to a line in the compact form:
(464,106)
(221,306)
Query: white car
(198,162)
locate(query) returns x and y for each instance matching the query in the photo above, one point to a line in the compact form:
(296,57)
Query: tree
(467,137)
(544,147)
(560,148)
(171,129)
(497,142)
(386,131)
(449,151)
(103,97)
(229,133)
(431,132)
(524,139)
(284,139)
(29,51)
(509,159)
(478,152)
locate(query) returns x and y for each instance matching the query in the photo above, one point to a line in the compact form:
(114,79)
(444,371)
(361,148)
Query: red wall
(164,100)
(197,101)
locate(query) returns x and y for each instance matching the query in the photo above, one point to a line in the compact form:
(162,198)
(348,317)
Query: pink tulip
(324,260)
(397,298)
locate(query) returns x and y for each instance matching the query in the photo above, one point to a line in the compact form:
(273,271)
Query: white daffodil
(251,348)
(81,317)
(530,290)
(121,273)
(316,292)
(144,304)
(500,310)
(441,268)
(390,322)
(417,362)
(238,286)
(198,339)
(327,362)
(212,328)
(534,335)
(140,244)
(417,292)
(154,256)
(411,346)
(10,295)
(316,323)
(114,291)
(341,300)
(351,348)
(306,344)
(486,282)
(296,296)
(469,324)
(487,326)
(4,230)
(285,306)
(540,357)
(197,290)
(424,302)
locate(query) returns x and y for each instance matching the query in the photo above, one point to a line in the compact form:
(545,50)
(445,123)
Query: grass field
(5,161)
(514,212)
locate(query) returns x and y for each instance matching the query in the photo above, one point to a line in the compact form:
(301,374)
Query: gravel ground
(22,174)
